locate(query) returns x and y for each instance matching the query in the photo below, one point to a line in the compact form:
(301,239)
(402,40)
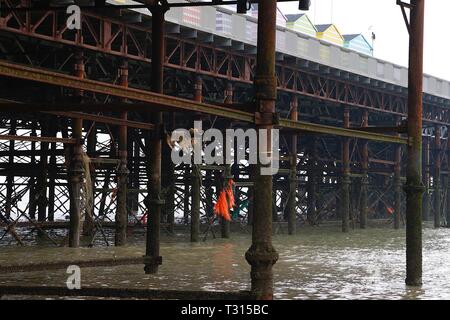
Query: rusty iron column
(187,193)
(52,177)
(364,175)
(10,176)
(32,182)
(312,181)
(76,165)
(75,181)
(398,183)
(154,201)
(169,168)
(88,224)
(414,187)
(209,203)
(426,177)
(42,180)
(292,201)
(262,255)
(122,172)
(196,174)
(345,182)
(437,176)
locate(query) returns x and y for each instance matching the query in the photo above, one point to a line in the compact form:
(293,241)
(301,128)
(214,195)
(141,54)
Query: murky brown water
(318,263)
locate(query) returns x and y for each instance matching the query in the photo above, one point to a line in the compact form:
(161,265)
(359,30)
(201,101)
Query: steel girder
(155,102)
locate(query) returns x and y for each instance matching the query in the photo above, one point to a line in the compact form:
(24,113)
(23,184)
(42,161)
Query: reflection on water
(318,263)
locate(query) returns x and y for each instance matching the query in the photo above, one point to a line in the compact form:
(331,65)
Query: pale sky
(386,20)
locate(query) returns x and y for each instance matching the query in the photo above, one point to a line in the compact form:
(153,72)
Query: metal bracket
(404,5)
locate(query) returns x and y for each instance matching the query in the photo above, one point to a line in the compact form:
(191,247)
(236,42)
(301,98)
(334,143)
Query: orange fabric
(221,207)
(230,194)
(225,201)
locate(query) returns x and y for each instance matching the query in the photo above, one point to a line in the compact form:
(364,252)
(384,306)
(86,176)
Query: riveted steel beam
(151,101)
(343,132)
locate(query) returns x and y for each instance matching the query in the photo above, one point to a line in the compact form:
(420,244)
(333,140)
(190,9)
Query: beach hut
(358,43)
(330,33)
(301,23)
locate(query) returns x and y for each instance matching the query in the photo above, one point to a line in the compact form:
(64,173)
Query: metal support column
(426,178)
(154,201)
(364,175)
(196,175)
(76,165)
(345,182)
(437,176)
(292,200)
(262,255)
(88,225)
(414,187)
(312,181)
(122,172)
(10,177)
(75,181)
(398,184)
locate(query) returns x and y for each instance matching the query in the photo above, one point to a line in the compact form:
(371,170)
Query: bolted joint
(261,254)
(266,88)
(414,189)
(266,118)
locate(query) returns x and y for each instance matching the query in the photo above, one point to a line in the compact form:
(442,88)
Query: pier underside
(85,118)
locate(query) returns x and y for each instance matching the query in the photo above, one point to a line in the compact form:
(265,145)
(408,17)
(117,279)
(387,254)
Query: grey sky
(357,16)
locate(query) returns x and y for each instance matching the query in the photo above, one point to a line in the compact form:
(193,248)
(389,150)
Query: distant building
(301,23)
(330,33)
(358,43)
